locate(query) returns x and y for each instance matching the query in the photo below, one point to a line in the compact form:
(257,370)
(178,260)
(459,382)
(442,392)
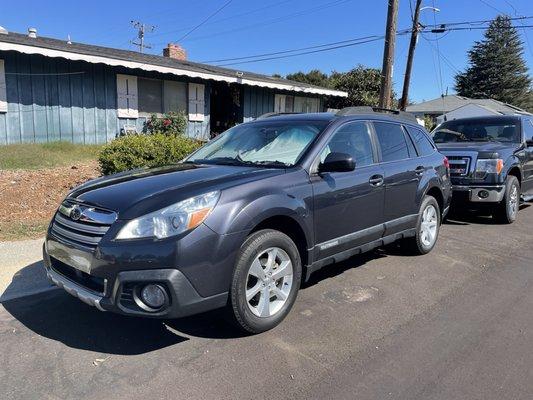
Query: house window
(150,93)
(139,96)
(283,103)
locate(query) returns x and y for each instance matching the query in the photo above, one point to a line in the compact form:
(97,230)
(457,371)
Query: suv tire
(427,227)
(507,210)
(265,281)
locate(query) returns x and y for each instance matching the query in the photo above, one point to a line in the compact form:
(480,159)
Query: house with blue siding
(54,90)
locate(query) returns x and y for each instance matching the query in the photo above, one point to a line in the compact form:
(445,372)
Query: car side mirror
(529,143)
(337,162)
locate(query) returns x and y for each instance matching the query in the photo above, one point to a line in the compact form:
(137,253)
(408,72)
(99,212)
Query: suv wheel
(265,282)
(508,209)
(427,227)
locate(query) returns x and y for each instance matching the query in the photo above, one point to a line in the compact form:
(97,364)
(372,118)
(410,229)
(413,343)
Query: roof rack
(370,110)
(275,114)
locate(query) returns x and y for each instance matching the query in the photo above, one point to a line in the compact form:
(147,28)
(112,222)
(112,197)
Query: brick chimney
(175,51)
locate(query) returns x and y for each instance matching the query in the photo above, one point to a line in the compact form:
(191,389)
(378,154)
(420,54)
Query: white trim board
(166,70)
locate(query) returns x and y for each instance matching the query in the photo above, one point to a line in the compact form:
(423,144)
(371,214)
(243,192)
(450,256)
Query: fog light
(483,194)
(154,296)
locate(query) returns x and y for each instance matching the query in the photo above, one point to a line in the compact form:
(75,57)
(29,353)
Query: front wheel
(265,281)
(507,210)
(427,227)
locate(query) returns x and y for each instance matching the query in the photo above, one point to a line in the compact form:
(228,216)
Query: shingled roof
(117,57)
(445,104)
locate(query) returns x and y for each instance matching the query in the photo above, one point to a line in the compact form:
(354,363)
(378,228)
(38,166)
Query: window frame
(147,114)
(378,144)
(428,137)
(371,133)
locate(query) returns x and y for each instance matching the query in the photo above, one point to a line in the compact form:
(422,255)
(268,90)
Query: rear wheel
(427,227)
(507,210)
(265,282)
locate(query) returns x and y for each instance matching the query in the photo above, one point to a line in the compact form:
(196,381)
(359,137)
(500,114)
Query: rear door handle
(376,180)
(420,170)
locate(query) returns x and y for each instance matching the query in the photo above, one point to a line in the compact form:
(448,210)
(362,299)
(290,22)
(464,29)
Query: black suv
(491,161)
(241,220)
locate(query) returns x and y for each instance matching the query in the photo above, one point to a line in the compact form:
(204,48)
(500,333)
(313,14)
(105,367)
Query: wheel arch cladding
(436,193)
(515,171)
(290,227)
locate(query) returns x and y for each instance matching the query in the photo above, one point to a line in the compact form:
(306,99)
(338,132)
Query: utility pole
(388,55)
(410,56)
(141,29)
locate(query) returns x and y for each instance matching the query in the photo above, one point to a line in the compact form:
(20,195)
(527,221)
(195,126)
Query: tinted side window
(412,150)
(353,139)
(392,141)
(422,142)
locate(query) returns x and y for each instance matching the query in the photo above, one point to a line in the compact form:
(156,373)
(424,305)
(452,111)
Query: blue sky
(246,27)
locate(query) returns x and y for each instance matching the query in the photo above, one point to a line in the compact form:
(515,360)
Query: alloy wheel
(512,204)
(269,282)
(428,226)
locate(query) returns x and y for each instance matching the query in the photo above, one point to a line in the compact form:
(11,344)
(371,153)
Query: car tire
(427,227)
(507,210)
(265,282)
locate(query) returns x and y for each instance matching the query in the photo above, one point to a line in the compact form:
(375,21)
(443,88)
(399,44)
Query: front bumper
(479,193)
(108,281)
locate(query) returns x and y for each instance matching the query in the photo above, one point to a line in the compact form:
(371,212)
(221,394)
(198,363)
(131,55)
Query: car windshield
(268,143)
(478,130)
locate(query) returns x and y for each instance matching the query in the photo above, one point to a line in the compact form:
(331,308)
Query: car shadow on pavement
(467,217)
(58,316)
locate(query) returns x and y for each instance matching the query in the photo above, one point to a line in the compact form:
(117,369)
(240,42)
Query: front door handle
(420,170)
(376,180)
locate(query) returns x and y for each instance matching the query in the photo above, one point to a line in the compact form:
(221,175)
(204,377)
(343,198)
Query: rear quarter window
(422,142)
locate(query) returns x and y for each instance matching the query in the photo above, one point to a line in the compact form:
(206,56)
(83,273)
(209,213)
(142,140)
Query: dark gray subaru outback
(243,220)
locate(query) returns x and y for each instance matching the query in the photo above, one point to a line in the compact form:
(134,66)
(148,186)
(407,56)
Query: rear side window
(391,141)
(423,144)
(527,126)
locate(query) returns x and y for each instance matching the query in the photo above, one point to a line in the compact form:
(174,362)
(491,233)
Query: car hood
(138,192)
(475,146)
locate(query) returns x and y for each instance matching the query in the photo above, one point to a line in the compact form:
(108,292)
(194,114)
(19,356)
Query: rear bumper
(115,293)
(480,193)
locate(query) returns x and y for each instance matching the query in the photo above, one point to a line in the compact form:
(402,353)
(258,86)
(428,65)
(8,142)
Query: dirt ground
(29,198)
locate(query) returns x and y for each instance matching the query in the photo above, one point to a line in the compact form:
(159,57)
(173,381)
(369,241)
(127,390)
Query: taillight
(446,163)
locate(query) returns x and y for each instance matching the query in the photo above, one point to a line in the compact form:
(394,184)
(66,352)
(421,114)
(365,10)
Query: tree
(497,68)
(313,77)
(362,84)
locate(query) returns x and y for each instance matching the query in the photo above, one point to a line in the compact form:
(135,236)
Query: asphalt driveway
(455,324)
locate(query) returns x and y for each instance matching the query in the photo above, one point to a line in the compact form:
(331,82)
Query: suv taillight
(447,164)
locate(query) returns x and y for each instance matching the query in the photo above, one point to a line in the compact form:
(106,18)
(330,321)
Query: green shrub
(172,123)
(137,151)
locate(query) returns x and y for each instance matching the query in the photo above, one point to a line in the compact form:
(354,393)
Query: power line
(400,32)
(210,22)
(273,20)
(205,20)
(304,53)
(279,55)
(292,50)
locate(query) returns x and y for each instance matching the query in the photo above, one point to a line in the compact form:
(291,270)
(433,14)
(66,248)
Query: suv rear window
(422,142)
(391,139)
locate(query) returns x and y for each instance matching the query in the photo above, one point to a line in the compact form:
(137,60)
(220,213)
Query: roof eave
(6,46)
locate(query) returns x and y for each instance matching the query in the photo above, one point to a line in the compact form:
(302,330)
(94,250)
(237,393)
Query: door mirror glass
(337,162)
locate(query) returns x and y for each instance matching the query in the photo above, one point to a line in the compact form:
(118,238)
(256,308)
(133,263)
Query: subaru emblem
(75,213)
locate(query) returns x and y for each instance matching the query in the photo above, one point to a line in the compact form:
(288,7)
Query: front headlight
(172,220)
(488,166)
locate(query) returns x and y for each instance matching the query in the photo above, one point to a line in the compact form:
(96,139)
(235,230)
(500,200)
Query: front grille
(459,165)
(89,228)
(90,282)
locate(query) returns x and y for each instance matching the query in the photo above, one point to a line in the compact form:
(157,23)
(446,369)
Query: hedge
(137,151)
